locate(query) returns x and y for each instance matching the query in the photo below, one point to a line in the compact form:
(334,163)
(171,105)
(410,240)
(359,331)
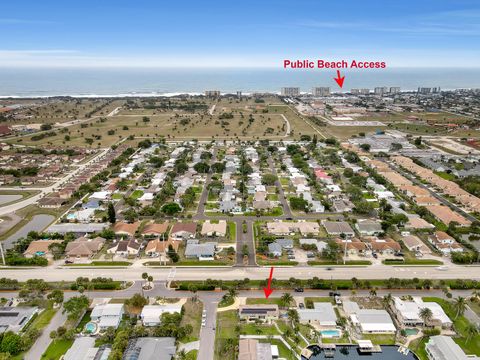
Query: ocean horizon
(122,82)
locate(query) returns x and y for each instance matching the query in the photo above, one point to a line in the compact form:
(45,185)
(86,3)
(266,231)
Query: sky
(144,33)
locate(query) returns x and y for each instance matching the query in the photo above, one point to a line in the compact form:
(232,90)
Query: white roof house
(151,314)
(107,315)
(409,311)
(373,321)
(442,347)
(322,314)
(84,349)
(100,195)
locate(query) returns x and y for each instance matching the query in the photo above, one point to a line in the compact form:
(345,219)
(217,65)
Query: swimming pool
(90,327)
(411,331)
(330,333)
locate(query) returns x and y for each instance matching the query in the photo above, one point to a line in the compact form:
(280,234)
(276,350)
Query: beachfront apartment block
(290,91)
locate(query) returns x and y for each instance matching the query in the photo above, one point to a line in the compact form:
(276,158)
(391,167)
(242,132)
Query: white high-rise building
(321,91)
(290,91)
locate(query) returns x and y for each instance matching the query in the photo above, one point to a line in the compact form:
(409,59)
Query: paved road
(238,273)
(207,332)
(44,340)
(281,195)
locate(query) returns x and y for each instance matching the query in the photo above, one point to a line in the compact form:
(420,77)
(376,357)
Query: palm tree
(293,316)
(459,305)
(373,293)
(426,315)
(471,331)
(144,277)
(387,300)
(286,300)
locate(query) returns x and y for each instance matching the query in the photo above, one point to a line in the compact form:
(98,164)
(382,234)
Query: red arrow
(339,79)
(268,290)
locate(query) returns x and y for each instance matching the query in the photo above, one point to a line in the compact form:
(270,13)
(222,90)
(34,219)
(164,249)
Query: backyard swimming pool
(330,333)
(90,327)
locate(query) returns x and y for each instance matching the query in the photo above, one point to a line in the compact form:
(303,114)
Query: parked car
(301,306)
(68,262)
(298,289)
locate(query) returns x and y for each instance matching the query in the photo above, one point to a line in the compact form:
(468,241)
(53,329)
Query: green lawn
(57,349)
(255,301)
(418,347)
(225,333)
(136,194)
(117,196)
(43,319)
(104,263)
(253,329)
(85,319)
(192,315)
(232,231)
(470,346)
(192,355)
(380,339)
(284,352)
(319,299)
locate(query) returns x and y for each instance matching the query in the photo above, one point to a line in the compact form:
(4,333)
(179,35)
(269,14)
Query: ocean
(28,82)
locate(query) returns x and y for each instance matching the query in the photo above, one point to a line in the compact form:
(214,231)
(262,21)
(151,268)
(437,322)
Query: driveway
(44,340)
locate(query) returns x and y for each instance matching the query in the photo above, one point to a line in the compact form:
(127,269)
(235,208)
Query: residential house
(322,315)
(200,251)
(444,243)
(151,315)
(210,228)
(408,313)
(124,248)
(153,229)
(40,248)
(15,318)
(441,347)
(183,231)
(415,244)
(259,312)
(83,348)
(369,227)
(158,247)
(252,349)
(149,348)
(126,229)
(84,247)
(107,315)
(338,228)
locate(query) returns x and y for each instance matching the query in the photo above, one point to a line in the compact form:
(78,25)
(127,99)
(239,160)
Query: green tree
(171,208)
(112,217)
(286,300)
(11,343)
(471,330)
(56,295)
(426,315)
(459,305)
(75,306)
(269,179)
(201,167)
